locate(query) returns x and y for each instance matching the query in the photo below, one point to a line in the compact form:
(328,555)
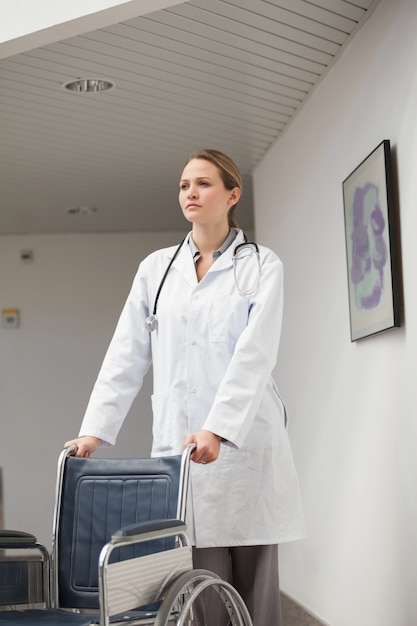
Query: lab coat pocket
(228,318)
(162,424)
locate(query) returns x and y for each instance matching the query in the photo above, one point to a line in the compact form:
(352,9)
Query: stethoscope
(244,250)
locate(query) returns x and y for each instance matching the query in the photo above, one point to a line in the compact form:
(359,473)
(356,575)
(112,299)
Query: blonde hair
(228,170)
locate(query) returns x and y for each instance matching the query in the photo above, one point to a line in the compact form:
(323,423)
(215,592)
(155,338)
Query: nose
(192,191)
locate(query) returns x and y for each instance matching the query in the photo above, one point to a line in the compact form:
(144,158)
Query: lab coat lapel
(184,263)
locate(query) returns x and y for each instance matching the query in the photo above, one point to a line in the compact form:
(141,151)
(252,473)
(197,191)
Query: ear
(234,196)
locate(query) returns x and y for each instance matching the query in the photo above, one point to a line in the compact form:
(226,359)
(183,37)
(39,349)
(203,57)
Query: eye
(204,183)
(183,186)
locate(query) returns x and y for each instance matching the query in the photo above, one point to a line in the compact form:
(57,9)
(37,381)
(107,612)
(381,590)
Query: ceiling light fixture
(88,85)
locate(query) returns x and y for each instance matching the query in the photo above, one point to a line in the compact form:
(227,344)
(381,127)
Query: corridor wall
(352,406)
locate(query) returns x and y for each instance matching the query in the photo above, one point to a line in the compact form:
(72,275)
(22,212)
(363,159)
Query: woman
(213,350)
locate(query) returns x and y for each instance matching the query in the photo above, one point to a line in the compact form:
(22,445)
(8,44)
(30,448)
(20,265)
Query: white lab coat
(212,354)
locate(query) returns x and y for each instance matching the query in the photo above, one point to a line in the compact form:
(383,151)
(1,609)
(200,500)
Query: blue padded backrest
(100,496)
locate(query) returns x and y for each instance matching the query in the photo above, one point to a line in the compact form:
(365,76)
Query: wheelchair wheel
(200,598)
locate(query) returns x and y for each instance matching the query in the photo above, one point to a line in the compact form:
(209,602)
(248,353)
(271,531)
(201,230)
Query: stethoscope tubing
(151,322)
(164,277)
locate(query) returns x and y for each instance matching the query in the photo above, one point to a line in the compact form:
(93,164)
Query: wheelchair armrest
(36,571)
(17,539)
(146,531)
(149,526)
(146,576)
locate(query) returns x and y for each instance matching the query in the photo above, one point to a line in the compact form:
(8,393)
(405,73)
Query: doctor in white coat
(213,349)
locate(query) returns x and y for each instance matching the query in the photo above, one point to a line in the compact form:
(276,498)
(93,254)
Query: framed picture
(369,231)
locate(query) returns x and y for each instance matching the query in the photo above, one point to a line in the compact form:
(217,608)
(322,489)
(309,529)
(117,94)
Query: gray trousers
(253,571)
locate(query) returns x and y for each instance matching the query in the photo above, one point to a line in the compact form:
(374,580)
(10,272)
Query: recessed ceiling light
(88,85)
(82,210)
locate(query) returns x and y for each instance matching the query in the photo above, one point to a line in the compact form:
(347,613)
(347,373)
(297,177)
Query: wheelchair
(120,553)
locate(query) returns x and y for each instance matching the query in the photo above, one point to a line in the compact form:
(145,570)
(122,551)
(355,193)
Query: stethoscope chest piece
(151,323)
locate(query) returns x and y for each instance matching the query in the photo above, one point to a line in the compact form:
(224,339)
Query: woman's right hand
(86,445)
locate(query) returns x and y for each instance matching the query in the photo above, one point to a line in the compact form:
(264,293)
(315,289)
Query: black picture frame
(370,245)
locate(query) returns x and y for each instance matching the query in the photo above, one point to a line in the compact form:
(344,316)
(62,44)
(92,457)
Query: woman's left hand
(207,447)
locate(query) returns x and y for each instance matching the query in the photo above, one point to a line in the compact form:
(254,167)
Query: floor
(294,615)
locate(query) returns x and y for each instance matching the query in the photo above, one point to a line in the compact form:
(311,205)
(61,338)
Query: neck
(209,239)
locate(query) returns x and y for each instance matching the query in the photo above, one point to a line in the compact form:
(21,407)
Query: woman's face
(203,197)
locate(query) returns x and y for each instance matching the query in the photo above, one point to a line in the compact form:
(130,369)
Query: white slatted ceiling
(229,74)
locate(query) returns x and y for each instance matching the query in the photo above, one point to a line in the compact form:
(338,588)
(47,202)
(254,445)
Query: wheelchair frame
(124,584)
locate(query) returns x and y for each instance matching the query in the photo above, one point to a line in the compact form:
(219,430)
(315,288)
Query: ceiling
(225,74)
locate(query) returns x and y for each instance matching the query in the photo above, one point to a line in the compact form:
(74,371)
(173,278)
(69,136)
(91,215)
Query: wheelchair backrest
(97,497)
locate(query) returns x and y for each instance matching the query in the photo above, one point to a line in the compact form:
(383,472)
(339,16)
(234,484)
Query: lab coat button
(193,343)
(194,391)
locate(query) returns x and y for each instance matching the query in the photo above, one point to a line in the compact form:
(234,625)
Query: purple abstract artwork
(372,283)
(369,249)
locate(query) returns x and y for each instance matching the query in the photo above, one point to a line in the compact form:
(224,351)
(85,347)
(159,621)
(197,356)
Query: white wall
(352,406)
(69,299)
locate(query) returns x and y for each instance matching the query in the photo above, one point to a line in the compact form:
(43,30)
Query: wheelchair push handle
(71,450)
